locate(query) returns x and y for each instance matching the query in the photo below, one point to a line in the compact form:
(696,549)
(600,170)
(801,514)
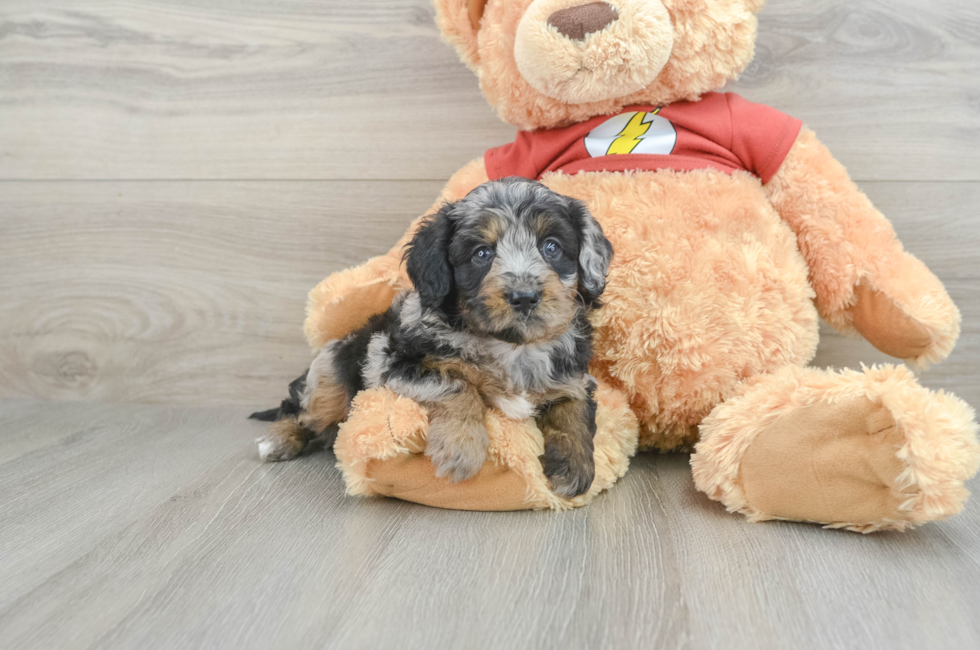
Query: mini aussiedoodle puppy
(504,281)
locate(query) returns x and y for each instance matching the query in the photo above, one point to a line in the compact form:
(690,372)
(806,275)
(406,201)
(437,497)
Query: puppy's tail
(271,415)
(289,433)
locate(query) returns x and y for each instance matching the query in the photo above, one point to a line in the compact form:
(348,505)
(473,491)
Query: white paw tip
(265,449)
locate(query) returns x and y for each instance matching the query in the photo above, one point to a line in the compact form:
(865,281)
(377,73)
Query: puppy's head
(513,260)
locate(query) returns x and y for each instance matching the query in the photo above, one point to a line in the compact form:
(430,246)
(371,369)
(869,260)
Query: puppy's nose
(524,301)
(576,22)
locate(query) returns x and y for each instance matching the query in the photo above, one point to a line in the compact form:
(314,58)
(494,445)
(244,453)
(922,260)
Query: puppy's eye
(483,255)
(551,249)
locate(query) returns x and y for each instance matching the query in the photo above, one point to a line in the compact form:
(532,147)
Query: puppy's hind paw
(272,448)
(284,441)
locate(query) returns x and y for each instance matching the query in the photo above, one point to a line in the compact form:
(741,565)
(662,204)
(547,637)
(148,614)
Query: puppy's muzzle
(524,302)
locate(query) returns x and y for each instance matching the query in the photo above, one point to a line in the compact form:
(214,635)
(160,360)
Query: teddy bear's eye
(483,255)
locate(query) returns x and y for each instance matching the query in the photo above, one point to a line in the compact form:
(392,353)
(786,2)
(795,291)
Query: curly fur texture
(705,290)
(847,242)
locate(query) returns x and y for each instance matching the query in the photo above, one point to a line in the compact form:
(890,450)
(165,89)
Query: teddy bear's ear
(755,6)
(476,9)
(459,22)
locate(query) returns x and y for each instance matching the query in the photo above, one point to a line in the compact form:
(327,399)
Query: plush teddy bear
(733,228)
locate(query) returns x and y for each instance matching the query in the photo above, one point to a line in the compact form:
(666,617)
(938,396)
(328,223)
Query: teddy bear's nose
(576,22)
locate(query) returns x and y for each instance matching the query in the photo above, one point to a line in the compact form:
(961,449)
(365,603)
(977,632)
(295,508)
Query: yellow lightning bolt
(630,136)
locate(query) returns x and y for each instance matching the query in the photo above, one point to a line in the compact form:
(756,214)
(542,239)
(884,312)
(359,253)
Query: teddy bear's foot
(865,451)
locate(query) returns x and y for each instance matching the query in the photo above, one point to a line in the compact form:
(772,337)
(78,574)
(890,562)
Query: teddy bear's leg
(866,451)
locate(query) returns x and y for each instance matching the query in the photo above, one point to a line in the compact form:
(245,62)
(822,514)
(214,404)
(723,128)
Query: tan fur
(934,442)
(711,303)
(475,9)
(708,288)
(488,382)
(847,243)
(557,308)
(384,430)
(457,437)
(498,311)
(886,326)
(493,229)
(622,58)
(711,45)
(283,440)
(327,405)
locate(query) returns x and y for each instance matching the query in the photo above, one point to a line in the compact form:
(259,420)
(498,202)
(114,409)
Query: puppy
(504,282)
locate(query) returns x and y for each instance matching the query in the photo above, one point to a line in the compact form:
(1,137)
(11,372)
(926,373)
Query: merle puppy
(504,282)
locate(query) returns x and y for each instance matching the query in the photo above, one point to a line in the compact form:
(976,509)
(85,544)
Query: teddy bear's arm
(346,300)
(863,278)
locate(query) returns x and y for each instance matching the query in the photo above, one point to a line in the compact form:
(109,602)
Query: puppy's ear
(427,258)
(595,253)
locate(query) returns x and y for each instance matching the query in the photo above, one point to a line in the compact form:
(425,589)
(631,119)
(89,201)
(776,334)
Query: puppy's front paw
(457,450)
(570,476)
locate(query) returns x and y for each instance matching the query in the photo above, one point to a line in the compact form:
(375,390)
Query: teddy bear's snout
(579,51)
(576,22)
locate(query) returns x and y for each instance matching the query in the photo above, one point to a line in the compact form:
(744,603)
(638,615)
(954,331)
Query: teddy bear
(733,228)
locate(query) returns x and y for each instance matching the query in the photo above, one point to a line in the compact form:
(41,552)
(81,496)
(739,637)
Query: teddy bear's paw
(912,318)
(865,451)
(569,475)
(456,448)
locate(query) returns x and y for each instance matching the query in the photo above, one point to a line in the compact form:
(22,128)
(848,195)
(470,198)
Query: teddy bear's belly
(707,288)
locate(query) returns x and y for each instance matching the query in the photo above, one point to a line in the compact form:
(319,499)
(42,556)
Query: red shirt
(721,131)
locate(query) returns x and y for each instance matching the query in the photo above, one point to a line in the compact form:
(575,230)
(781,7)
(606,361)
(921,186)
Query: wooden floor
(175,175)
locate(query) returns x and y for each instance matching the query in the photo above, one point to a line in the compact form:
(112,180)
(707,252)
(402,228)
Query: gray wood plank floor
(193,293)
(175,176)
(337,89)
(133,526)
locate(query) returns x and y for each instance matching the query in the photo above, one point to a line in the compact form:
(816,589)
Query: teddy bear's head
(548,63)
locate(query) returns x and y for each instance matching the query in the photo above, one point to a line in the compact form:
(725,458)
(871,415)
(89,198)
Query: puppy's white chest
(515,407)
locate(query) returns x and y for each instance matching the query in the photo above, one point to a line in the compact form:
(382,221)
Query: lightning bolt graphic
(631,134)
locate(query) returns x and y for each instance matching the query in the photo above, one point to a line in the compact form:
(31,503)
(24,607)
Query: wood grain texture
(157,527)
(334,89)
(176,292)
(194,293)
(129,522)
